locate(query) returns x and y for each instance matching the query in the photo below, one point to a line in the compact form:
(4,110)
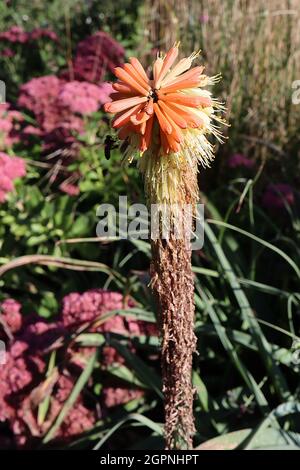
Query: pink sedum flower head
(10,121)
(7,52)
(40,33)
(240,160)
(24,373)
(59,108)
(95,55)
(83,97)
(15,34)
(11,168)
(10,310)
(278,196)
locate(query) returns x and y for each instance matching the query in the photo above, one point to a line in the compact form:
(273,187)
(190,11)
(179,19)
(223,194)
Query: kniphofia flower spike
(166,120)
(169,114)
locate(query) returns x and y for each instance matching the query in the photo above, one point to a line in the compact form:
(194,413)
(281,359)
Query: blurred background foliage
(246,374)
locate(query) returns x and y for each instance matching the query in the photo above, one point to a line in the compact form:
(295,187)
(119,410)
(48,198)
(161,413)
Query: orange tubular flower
(169,112)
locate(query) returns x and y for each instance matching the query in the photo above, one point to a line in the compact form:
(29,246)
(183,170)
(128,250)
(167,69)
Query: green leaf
(264,347)
(228,441)
(261,241)
(144,373)
(228,346)
(82,380)
(157,428)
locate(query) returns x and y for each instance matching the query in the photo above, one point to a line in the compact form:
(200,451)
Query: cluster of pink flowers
(83,97)
(7,52)
(22,378)
(95,55)
(39,33)
(59,106)
(278,196)
(10,124)
(11,168)
(11,314)
(80,308)
(17,35)
(114,396)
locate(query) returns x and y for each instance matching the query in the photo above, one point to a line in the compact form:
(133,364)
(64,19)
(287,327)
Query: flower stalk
(165,121)
(172,282)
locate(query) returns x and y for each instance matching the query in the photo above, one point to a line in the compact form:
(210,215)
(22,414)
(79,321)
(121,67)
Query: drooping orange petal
(206,101)
(136,76)
(126,131)
(121,105)
(175,115)
(157,68)
(122,88)
(203,101)
(116,95)
(163,122)
(187,114)
(195,71)
(139,118)
(124,118)
(146,139)
(173,144)
(143,127)
(192,101)
(129,80)
(168,62)
(139,68)
(176,131)
(164,142)
(190,79)
(179,68)
(149,107)
(192,83)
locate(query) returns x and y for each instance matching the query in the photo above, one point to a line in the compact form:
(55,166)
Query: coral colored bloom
(171,112)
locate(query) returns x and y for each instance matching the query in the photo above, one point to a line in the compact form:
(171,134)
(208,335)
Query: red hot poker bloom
(171,111)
